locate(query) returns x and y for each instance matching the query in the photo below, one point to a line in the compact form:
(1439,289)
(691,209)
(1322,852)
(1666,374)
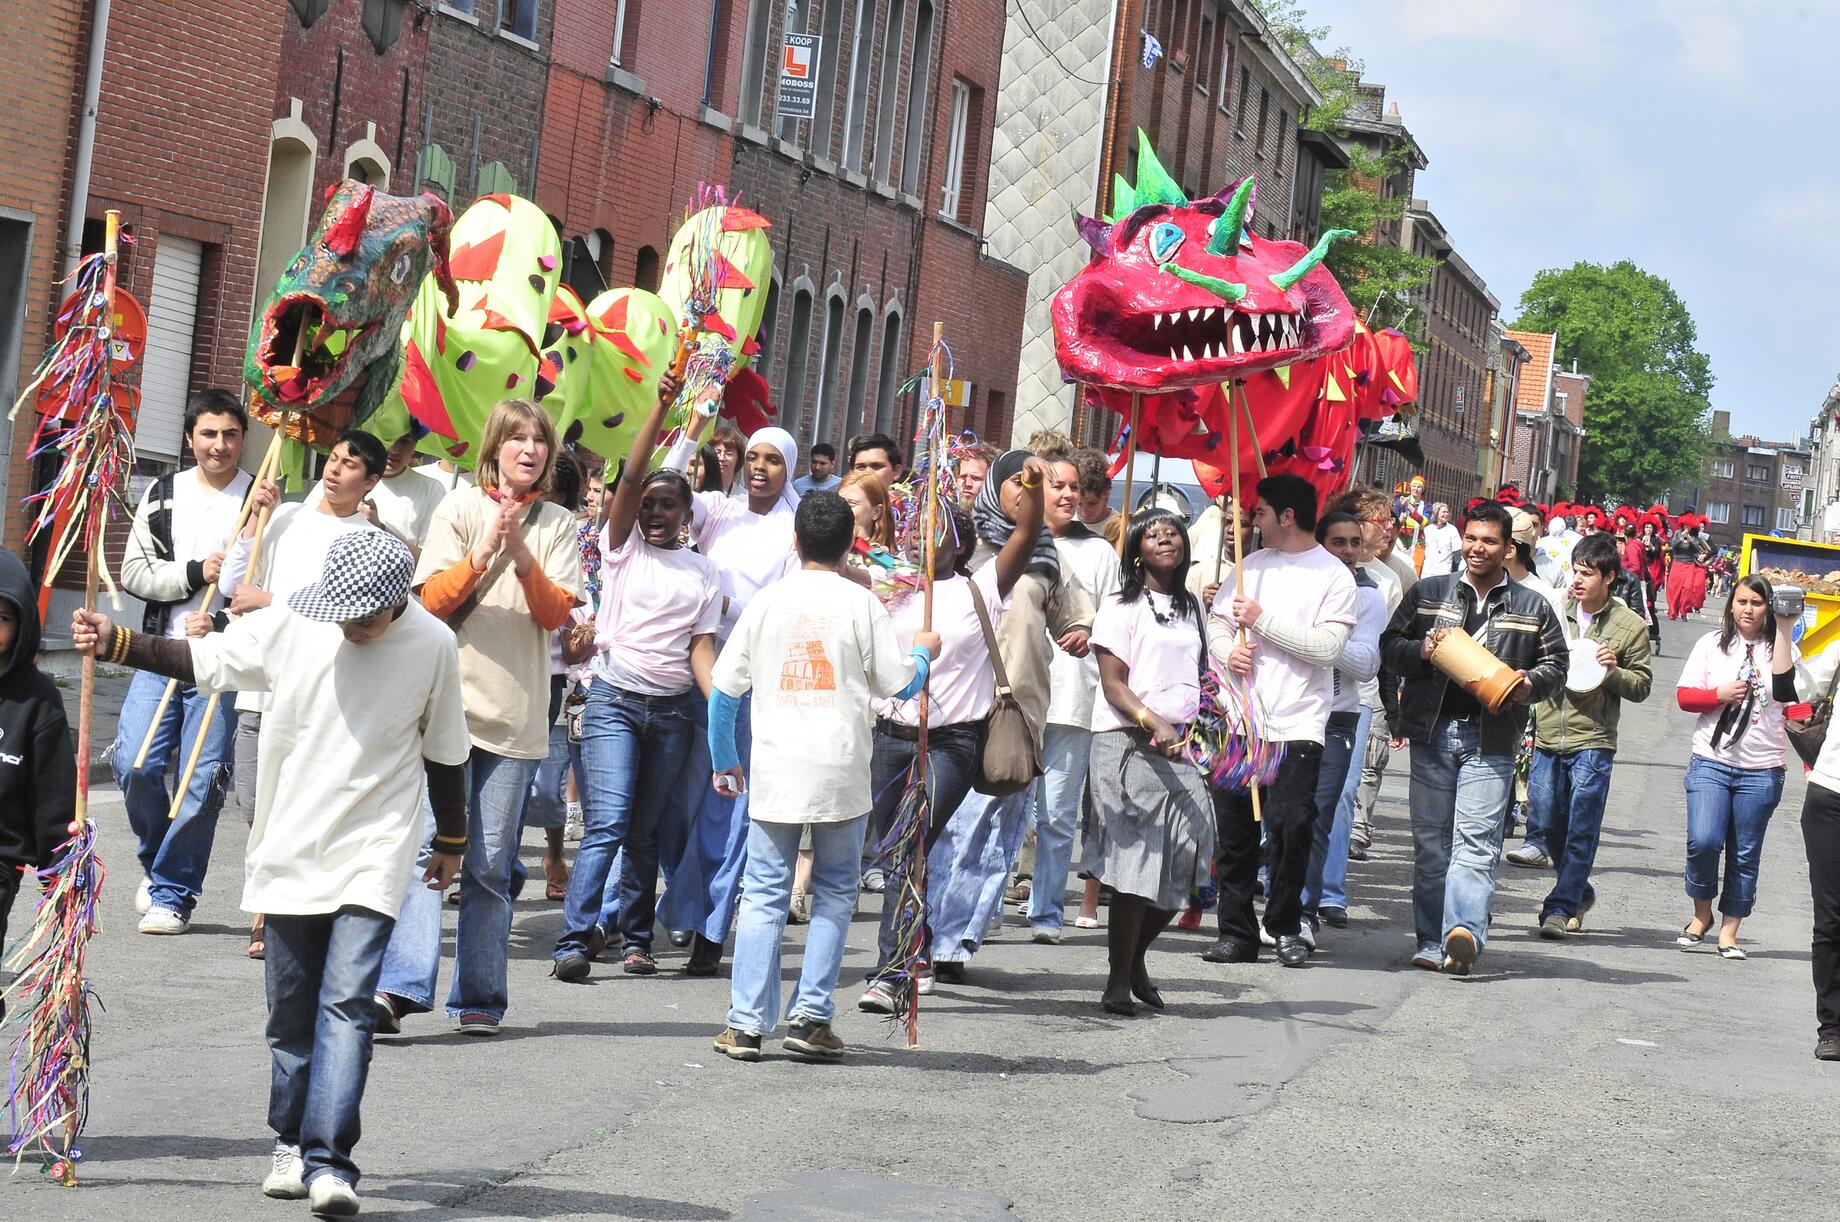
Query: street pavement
(1608,1076)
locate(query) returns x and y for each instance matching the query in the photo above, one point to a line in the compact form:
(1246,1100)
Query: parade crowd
(712,679)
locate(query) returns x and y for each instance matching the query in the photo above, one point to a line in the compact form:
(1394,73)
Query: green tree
(1646,416)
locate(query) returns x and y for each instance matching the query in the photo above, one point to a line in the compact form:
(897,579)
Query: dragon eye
(1165,239)
(400,271)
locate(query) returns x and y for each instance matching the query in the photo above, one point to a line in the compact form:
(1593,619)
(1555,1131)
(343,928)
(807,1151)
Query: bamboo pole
(1239,578)
(271,461)
(92,574)
(1130,462)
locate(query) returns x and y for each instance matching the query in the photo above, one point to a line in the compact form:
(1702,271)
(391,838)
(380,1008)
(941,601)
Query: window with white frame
(1719,511)
(518,17)
(625,31)
(1723,468)
(1785,518)
(955,149)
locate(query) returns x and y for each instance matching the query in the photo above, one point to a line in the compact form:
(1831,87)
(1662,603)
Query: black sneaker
(1827,1048)
(738,1045)
(1335,918)
(1229,951)
(812,1039)
(570,968)
(949,971)
(705,957)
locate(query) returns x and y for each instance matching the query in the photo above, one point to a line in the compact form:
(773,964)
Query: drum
(1584,673)
(1468,663)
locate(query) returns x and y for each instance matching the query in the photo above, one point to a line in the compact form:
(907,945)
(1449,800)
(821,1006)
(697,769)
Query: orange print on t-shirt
(807,669)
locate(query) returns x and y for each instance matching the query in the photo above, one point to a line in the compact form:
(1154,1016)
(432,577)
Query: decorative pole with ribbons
(48,1071)
(1130,466)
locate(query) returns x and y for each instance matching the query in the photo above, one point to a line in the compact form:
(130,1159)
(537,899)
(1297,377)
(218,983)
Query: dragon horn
(1239,209)
(1095,234)
(1154,185)
(1124,199)
(1302,267)
(440,225)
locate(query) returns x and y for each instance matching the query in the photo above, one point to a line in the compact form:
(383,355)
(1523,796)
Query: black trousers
(1821,834)
(1289,809)
(10,874)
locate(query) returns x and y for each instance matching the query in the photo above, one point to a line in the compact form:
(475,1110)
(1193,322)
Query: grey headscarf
(995,527)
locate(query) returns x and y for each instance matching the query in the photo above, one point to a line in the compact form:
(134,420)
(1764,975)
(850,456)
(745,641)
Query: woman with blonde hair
(501,566)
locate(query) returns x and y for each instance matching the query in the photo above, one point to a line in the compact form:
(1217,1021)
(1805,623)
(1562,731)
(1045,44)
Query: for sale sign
(798,76)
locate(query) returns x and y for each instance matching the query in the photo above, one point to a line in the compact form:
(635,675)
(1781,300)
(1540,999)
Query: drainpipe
(78,204)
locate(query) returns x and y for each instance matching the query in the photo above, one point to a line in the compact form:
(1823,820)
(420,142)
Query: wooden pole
(1130,462)
(271,462)
(92,538)
(1239,578)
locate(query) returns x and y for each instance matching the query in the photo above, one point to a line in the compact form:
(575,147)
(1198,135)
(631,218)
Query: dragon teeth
(1193,315)
(1186,354)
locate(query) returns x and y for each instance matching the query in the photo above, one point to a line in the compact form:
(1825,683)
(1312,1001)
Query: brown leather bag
(1010,761)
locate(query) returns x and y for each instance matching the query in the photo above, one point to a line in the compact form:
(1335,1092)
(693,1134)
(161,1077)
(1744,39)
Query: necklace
(1163,618)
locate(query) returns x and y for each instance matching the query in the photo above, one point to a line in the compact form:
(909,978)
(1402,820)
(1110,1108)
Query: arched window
(888,93)
(798,344)
(859,367)
(287,202)
(769,320)
(824,413)
(645,270)
(917,79)
(890,380)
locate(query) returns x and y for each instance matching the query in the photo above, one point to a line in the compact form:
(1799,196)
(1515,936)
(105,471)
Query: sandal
(1689,938)
(556,886)
(258,947)
(1730,952)
(638,963)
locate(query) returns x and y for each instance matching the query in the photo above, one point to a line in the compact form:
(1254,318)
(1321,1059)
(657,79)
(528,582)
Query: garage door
(172,318)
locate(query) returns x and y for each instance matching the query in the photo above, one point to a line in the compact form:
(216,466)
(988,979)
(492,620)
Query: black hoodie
(38,764)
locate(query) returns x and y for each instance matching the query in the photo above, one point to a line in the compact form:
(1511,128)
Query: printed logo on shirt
(807,668)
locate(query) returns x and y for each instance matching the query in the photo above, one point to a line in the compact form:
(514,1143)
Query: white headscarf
(788,449)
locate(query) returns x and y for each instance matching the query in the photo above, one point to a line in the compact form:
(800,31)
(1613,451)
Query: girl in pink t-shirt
(1157,826)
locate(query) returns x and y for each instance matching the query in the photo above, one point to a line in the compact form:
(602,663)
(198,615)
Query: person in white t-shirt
(181,531)
(1073,686)
(293,554)
(365,702)
(1442,542)
(654,648)
(404,500)
(1297,610)
(814,649)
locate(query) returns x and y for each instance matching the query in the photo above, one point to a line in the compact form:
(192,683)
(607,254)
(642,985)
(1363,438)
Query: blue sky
(1696,138)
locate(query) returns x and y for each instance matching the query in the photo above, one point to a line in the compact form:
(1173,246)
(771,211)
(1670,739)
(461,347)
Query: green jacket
(1573,722)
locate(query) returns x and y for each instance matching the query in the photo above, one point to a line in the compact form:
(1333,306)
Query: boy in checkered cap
(364,692)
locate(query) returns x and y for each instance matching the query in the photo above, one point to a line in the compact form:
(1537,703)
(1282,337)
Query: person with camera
(1738,679)
(1463,754)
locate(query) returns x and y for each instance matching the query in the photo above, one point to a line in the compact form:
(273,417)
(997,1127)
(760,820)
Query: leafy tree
(1646,415)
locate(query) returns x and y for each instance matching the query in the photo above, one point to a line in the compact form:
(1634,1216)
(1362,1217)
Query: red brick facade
(350,92)
(42,51)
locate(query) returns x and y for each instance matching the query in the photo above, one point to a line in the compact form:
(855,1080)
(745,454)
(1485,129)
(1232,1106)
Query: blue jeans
(1728,809)
(1459,805)
(633,750)
(1326,884)
(320,973)
(952,763)
(1569,793)
(766,892)
(496,787)
(1065,752)
(174,852)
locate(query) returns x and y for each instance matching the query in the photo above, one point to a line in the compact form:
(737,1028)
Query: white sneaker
(164,921)
(1307,934)
(573,824)
(284,1182)
(1045,935)
(1265,938)
(331,1197)
(995,929)
(878,999)
(143,896)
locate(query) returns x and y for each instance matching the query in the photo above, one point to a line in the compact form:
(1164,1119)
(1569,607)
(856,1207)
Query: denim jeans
(1728,809)
(321,971)
(1569,793)
(1459,810)
(952,761)
(766,893)
(496,786)
(1288,809)
(633,751)
(173,852)
(1065,751)
(1326,884)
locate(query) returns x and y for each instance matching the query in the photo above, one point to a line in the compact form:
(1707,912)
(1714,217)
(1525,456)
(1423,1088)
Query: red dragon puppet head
(1183,293)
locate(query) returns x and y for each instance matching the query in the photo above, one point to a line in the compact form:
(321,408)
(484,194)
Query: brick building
(1751,486)
(482,96)
(43,49)
(1510,357)
(1548,422)
(1222,101)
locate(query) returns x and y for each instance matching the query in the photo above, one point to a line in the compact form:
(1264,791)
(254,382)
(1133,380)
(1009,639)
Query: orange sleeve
(550,604)
(444,591)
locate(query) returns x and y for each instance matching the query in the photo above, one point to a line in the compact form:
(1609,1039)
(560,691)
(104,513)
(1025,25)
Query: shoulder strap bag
(1809,736)
(1010,760)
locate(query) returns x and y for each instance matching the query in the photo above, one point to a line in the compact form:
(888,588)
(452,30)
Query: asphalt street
(1608,1076)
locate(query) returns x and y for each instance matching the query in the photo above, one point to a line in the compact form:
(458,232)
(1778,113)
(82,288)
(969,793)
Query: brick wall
(42,49)
(483,95)
(349,92)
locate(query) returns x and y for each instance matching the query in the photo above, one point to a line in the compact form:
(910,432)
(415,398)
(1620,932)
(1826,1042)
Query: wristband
(1141,716)
(1024,480)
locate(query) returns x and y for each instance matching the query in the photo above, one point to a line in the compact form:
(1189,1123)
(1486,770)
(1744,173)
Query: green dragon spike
(1302,267)
(1154,185)
(1123,199)
(1226,230)
(1225,290)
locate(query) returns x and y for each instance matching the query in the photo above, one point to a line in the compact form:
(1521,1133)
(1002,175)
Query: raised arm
(1013,561)
(623,504)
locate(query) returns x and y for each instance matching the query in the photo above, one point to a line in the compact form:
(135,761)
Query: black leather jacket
(1520,629)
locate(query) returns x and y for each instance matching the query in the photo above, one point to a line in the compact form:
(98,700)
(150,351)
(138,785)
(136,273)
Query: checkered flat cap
(366,571)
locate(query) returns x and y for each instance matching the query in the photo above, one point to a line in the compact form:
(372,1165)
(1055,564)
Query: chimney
(1574,364)
(1392,113)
